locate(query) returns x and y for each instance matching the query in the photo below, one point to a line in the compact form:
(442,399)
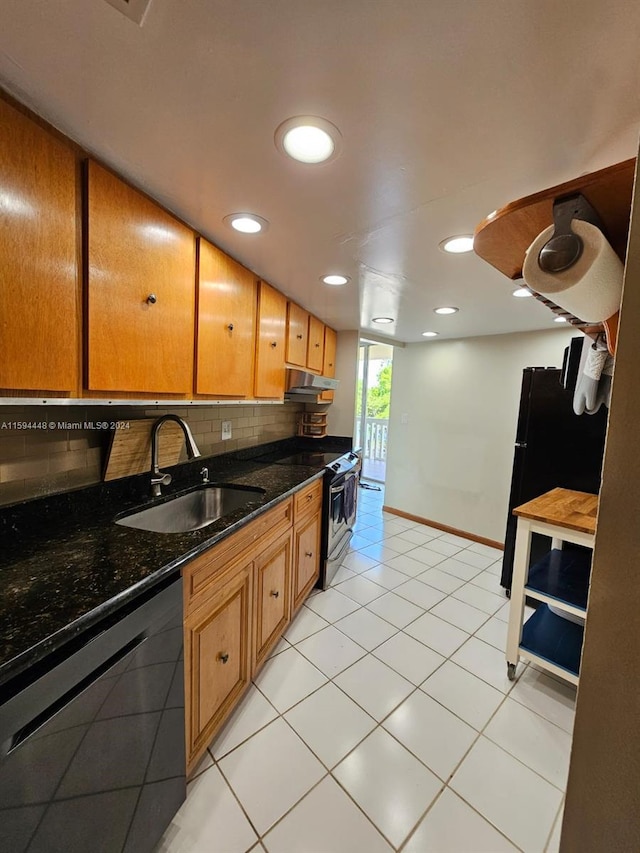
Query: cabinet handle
(317,345)
(230,327)
(299,337)
(152,299)
(274,344)
(223,658)
(308,553)
(275,593)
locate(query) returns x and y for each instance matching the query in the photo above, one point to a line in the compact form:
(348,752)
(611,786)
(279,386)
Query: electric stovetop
(306,457)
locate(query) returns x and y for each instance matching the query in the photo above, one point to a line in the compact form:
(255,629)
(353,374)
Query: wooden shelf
(503,237)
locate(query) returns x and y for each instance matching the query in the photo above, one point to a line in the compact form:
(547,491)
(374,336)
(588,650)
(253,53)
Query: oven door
(343,498)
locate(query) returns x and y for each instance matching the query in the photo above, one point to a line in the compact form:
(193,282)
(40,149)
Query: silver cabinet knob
(152,299)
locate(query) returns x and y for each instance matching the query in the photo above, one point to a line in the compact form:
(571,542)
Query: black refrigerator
(554,448)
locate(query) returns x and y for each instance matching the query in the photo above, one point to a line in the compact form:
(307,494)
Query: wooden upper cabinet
(329,364)
(270,347)
(315,347)
(141,292)
(39,281)
(297,334)
(227,305)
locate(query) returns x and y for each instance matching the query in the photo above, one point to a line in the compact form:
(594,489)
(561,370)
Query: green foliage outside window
(378,396)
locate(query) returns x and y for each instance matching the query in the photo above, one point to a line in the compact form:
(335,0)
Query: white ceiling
(448,109)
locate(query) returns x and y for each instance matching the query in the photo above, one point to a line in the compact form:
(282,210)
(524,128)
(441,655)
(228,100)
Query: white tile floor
(379,726)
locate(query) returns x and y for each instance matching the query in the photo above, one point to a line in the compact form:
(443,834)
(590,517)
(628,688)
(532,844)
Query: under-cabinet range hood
(302,384)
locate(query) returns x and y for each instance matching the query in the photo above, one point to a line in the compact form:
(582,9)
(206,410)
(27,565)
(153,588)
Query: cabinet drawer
(308,500)
(307,557)
(272,595)
(201,572)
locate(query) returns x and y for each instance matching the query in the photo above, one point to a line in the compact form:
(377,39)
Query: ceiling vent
(135,10)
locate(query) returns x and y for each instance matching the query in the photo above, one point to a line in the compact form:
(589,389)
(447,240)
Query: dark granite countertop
(65,565)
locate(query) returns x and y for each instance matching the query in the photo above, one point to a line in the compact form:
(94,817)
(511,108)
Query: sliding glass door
(373,394)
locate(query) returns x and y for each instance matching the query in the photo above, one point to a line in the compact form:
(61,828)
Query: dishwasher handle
(23,734)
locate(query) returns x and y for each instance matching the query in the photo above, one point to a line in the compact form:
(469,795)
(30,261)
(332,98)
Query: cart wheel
(511,671)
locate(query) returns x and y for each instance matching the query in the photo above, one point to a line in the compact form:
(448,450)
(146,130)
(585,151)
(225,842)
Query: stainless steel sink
(193,510)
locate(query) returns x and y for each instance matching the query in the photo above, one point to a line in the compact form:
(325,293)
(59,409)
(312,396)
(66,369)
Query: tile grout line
(379,724)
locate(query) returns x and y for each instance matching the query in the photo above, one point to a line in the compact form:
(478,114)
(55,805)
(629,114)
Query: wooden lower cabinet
(272,596)
(307,558)
(217,657)
(239,598)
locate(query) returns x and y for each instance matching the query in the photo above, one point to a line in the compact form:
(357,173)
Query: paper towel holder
(564,247)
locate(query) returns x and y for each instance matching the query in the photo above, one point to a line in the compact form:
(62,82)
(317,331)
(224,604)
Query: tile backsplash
(48,449)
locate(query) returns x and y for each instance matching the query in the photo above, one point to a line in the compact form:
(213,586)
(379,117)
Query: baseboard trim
(445,527)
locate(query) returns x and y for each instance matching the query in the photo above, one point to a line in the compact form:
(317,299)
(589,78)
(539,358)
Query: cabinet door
(141,292)
(227,302)
(315,349)
(39,294)
(329,364)
(307,558)
(272,595)
(217,657)
(297,334)
(272,319)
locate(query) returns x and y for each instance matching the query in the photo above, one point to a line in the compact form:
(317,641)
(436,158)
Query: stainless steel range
(340,500)
(339,508)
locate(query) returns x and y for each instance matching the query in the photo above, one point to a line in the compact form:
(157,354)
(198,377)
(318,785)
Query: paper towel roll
(591,289)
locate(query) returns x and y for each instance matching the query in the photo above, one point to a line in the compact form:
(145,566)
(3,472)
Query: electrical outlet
(226,430)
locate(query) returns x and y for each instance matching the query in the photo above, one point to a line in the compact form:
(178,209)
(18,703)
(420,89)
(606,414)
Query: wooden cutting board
(130,449)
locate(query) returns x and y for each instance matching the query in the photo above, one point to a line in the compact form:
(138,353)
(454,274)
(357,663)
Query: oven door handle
(335,491)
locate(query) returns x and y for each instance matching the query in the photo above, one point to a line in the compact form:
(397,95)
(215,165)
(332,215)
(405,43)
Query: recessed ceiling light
(429,334)
(457,245)
(560,320)
(521,292)
(308,139)
(246,223)
(335,280)
(446,310)
(383,320)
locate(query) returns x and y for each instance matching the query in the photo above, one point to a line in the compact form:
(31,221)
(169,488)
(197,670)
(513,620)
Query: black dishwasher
(92,750)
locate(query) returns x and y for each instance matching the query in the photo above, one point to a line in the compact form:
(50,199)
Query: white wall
(341,413)
(452,461)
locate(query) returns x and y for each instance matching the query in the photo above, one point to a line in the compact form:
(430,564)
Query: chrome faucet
(205,475)
(158,477)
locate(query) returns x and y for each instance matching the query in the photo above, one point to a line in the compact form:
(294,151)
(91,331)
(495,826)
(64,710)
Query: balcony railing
(374,446)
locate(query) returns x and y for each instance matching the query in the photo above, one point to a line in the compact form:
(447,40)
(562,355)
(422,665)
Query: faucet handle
(161,479)
(204,473)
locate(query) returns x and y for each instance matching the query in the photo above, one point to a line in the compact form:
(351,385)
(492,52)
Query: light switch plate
(226,430)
